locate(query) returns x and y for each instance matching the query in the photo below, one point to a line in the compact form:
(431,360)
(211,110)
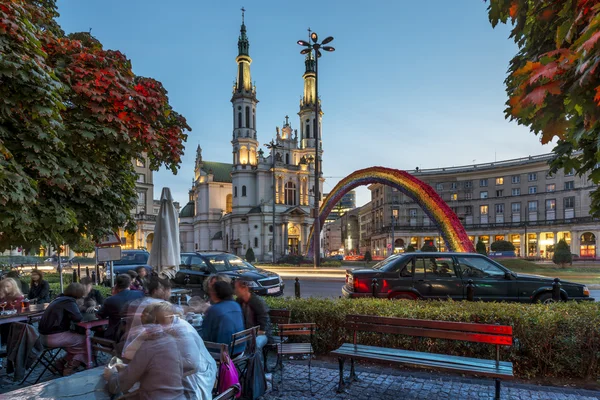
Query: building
(331,238)
(515,200)
(347,203)
(258,201)
(351,232)
(365,228)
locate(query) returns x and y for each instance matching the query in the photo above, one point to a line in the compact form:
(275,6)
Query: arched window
(235,191)
(308,128)
(244,155)
(290,194)
(239,119)
(244,191)
(256,242)
(287,158)
(253,121)
(228,203)
(247,117)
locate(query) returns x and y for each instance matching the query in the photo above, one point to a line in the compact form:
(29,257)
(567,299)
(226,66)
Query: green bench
(496,335)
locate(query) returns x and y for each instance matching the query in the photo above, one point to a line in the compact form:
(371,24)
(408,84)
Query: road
(332,287)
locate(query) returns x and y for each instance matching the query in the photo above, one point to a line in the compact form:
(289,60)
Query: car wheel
(403,296)
(544,298)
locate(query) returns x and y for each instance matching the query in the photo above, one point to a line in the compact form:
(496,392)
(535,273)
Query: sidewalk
(391,384)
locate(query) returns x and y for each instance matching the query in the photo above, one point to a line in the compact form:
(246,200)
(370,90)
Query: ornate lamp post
(316,47)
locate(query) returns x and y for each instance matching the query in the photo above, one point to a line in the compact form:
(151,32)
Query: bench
(277,317)
(469,332)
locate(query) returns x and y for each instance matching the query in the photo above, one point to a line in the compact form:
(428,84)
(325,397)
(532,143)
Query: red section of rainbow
(438,211)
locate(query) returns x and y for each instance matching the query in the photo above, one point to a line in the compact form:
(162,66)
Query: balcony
(144,217)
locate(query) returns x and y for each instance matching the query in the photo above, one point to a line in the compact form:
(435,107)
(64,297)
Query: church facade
(259,201)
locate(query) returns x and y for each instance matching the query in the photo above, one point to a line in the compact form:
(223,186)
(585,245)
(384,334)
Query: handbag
(255,382)
(228,374)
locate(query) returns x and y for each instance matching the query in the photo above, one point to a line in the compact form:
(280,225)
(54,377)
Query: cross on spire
(243,11)
(309,32)
(287,120)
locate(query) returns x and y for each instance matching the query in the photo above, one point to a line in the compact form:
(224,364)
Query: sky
(411,83)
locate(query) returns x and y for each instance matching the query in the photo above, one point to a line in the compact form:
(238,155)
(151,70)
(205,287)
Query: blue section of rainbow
(438,211)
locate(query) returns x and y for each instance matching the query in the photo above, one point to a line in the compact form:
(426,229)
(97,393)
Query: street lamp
(394,219)
(316,47)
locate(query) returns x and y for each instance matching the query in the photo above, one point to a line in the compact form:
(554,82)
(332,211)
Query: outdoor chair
(46,358)
(229,394)
(247,337)
(284,348)
(217,350)
(277,317)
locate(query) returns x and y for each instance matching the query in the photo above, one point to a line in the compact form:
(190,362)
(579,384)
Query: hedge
(55,288)
(550,341)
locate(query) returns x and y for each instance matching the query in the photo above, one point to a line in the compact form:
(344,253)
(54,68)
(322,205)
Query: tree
(250,255)
(502,245)
(562,254)
(368,257)
(480,248)
(553,82)
(428,246)
(84,245)
(410,249)
(73,116)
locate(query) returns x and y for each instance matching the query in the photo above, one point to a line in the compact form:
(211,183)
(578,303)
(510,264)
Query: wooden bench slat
(441,325)
(459,360)
(307,325)
(296,333)
(434,333)
(295,348)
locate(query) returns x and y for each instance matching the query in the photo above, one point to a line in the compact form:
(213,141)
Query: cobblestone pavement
(399,384)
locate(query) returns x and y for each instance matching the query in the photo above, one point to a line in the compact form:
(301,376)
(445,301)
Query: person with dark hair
(142,279)
(92,297)
(54,328)
(256,312)
(39,290)
(224,317)
(135,284)
(115,307)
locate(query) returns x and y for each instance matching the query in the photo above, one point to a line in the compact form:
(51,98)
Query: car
(197,266)
(428,275)
(130,260)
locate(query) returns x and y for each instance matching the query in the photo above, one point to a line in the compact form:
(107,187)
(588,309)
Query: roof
(295,210)
(255,210)
(188,211)
(221,171)
(218,236)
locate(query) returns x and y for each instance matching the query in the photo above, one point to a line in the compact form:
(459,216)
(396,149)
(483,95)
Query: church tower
(307,105)
(245,145)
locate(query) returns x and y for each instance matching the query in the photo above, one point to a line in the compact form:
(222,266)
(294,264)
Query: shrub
(480,248)
(428,246)
(368,257)
(555,340)
(410,249)
(502,245)
(55,288)
(562,254)
(250,255)
(293,259)
(331,263)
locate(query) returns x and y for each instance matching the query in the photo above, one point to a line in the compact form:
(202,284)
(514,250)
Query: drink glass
(25,303)
(3,305)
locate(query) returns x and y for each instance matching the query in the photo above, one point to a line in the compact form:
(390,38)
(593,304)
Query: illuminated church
(259,201)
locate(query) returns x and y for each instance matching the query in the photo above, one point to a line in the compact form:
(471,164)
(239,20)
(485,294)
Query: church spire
(243,43)
(243,84)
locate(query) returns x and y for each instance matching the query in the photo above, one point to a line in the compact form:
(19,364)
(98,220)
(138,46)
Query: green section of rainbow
(438,211)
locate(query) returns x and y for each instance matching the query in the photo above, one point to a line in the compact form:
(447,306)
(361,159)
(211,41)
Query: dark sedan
(446,275)
(196,267)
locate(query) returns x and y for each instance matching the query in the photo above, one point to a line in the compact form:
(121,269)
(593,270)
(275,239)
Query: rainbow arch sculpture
(451,229)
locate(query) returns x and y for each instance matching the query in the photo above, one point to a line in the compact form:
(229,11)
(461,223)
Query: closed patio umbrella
(165,254)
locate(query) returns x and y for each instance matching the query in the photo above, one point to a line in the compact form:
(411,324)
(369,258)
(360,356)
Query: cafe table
(178,293)
(88,324)
(24,314)
(88,384)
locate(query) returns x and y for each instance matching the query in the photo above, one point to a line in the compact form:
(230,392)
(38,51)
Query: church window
(247,117)
(255,242)
(253,121)
(307,130)
(287,158)
(229,203)
(235,191)
(244,191)
(239,119)
(290,194)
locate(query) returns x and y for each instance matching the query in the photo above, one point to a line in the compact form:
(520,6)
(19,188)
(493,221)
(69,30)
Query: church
(259,201)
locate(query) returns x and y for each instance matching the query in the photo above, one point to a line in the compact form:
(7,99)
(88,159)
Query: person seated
(23,286)
(256,312)
(142,279)
(159,291)
(156,365)
(115,307)
(135,284)
(92,298)
(199,368)
(10,294)
(211,280)
(223,318)
(54,328)
(39,289)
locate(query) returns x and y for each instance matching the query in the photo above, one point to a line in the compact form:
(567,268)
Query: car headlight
(251,284)
(586,291)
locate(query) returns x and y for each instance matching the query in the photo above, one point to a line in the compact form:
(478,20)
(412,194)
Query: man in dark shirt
(115,307)
(93,299)
(256,312)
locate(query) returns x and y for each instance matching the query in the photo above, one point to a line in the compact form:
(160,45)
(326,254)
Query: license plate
(273,290)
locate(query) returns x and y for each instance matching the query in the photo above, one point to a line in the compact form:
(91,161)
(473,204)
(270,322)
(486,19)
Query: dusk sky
(410,83)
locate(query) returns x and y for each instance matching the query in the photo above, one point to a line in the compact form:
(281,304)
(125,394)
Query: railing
(144,217)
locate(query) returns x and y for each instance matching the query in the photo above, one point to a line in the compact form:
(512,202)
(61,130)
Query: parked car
(130,260)
(196,267)
(427,275)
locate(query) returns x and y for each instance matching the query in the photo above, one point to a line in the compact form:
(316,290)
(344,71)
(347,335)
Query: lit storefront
(588,245)
(516,241)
